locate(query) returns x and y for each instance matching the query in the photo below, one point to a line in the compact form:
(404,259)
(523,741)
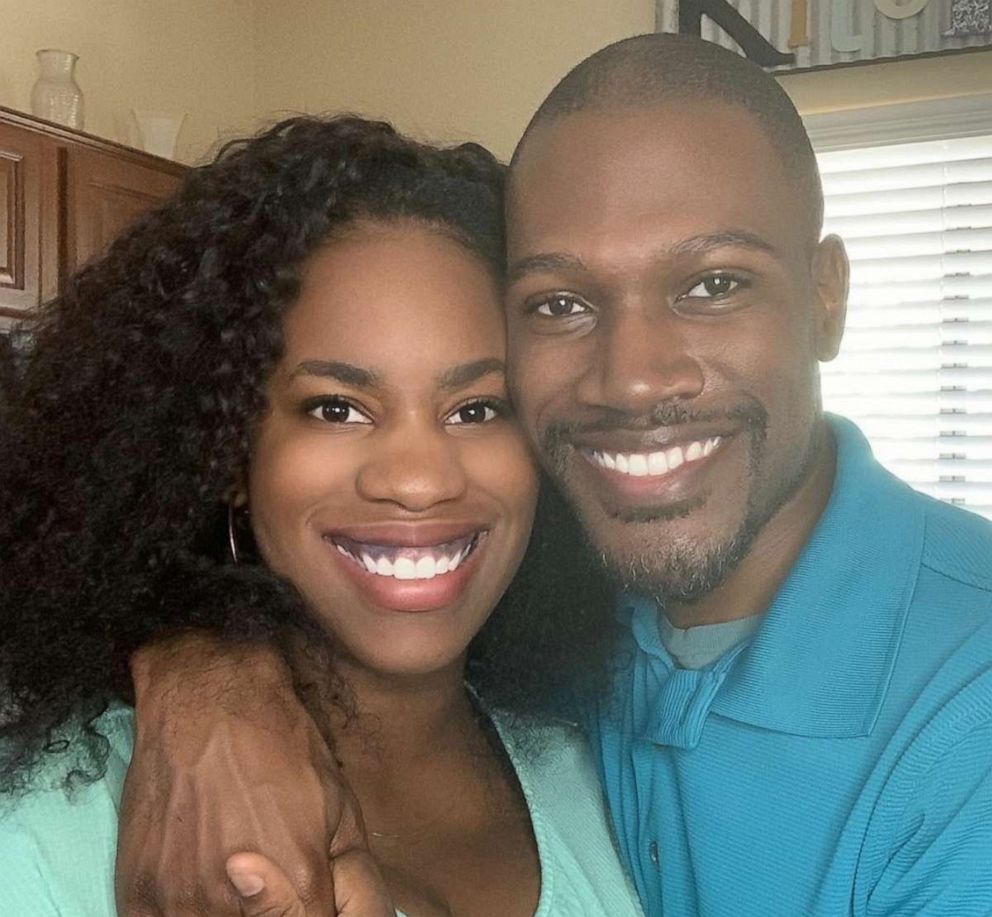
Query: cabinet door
(104,195)
(24,156)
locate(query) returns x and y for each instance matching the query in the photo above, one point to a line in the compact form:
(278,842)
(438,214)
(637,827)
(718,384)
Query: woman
(278,406)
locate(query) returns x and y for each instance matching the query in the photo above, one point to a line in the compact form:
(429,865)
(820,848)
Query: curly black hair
(132,416)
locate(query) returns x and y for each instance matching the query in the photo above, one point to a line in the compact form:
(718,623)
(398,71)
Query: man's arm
(226,760)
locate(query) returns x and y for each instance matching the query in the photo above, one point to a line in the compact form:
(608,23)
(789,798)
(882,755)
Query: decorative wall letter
(970,17)
(798,35)
(840,27)
(896,10)
(752,42)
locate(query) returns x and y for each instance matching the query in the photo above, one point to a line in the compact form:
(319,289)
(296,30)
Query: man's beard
(682,573)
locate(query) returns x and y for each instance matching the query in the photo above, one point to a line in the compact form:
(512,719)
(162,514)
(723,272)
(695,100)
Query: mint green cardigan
(57,853)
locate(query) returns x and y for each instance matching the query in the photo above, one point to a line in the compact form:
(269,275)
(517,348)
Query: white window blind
(915,369)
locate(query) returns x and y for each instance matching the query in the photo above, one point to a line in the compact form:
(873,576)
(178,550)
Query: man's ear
(830,280)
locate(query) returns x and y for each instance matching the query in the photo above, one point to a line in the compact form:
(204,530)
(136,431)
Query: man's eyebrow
(464,373)
(694,245)
(549,261)
(346,373)
(729,238)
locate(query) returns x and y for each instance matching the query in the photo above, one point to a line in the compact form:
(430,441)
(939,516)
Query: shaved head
(650,71)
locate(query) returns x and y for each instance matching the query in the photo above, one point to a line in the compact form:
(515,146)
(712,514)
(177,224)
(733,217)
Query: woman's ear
(237,495)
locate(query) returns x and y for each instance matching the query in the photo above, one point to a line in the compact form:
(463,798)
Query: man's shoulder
(957,544)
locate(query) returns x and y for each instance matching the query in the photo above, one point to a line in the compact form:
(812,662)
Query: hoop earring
(232,541)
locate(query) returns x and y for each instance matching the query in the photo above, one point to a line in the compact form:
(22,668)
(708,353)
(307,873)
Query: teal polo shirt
(839,762)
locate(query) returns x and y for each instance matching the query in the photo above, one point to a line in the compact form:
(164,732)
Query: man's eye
(560,306)
(476,412)
(336,410)
(715,286)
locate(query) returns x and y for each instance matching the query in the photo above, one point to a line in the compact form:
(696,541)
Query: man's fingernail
(247,883)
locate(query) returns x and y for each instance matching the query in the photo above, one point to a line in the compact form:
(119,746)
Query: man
(802,720)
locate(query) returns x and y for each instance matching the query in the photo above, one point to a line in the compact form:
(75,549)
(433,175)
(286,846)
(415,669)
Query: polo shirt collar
(820,663)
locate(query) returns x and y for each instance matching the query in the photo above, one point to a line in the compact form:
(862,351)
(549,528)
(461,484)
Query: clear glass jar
(56,95)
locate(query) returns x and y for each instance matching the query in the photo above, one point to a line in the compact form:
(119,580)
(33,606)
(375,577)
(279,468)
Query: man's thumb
(263,889)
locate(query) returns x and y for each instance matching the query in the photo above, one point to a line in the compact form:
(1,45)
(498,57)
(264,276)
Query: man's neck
(751,586)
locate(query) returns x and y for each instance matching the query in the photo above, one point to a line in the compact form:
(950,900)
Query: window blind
(915,368)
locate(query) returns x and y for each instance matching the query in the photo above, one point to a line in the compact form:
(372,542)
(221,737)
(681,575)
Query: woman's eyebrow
(464,373)
(346,373)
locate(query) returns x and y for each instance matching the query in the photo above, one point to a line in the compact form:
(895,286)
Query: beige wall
(468,69)
(174,55)
(887,83)
(444,69)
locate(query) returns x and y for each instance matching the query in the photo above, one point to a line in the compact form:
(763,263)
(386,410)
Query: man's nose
(414,468)
(642,359)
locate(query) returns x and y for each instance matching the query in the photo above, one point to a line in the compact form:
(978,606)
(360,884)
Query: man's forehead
(601,141)
(621,165)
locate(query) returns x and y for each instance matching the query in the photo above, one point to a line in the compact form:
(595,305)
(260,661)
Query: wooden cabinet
(25,165)
(63,197)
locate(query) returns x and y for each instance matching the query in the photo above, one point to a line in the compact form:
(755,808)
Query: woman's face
(388,481)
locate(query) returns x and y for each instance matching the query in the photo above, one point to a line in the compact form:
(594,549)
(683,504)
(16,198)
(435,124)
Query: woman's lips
(410,577)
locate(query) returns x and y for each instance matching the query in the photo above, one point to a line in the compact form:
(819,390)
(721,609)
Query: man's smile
(656,463)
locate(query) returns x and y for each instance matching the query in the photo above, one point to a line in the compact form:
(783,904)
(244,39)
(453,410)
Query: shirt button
(653,852)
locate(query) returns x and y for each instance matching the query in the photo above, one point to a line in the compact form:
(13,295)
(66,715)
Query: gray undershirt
(697,647)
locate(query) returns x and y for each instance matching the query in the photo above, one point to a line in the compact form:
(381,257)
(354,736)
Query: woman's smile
(414,568)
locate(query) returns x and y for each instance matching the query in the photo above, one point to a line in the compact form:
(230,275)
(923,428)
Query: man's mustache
(748,413)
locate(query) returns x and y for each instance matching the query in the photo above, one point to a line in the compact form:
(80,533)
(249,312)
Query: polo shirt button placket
(653,852)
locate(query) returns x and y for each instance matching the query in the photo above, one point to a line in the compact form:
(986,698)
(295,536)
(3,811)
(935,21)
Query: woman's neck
(408,718)
(369,714)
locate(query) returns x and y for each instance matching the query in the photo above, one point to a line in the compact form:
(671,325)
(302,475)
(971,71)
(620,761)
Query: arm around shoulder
(226,759)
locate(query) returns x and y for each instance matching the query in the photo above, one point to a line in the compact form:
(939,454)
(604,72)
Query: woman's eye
(715,286)
(337,410)
(560,306)
(475,412)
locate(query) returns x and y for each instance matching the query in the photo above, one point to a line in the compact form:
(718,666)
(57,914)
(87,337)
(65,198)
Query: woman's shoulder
(58,837)
(580,869)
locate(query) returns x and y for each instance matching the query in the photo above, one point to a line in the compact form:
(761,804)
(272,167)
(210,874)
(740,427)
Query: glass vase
(56,95)
(158,131)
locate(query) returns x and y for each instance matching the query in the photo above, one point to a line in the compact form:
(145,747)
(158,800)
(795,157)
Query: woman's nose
(414,468)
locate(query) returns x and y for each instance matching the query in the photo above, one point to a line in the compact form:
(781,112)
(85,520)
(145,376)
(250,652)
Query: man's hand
(226,760)
(266,892)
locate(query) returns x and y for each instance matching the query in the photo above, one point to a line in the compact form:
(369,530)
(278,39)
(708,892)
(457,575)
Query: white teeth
(655,464)
(638,465)
(422,566)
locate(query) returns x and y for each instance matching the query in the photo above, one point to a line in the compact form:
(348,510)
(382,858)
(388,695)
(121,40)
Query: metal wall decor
(804,34)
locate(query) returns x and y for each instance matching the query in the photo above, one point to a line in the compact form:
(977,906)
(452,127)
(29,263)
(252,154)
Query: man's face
(667,309)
